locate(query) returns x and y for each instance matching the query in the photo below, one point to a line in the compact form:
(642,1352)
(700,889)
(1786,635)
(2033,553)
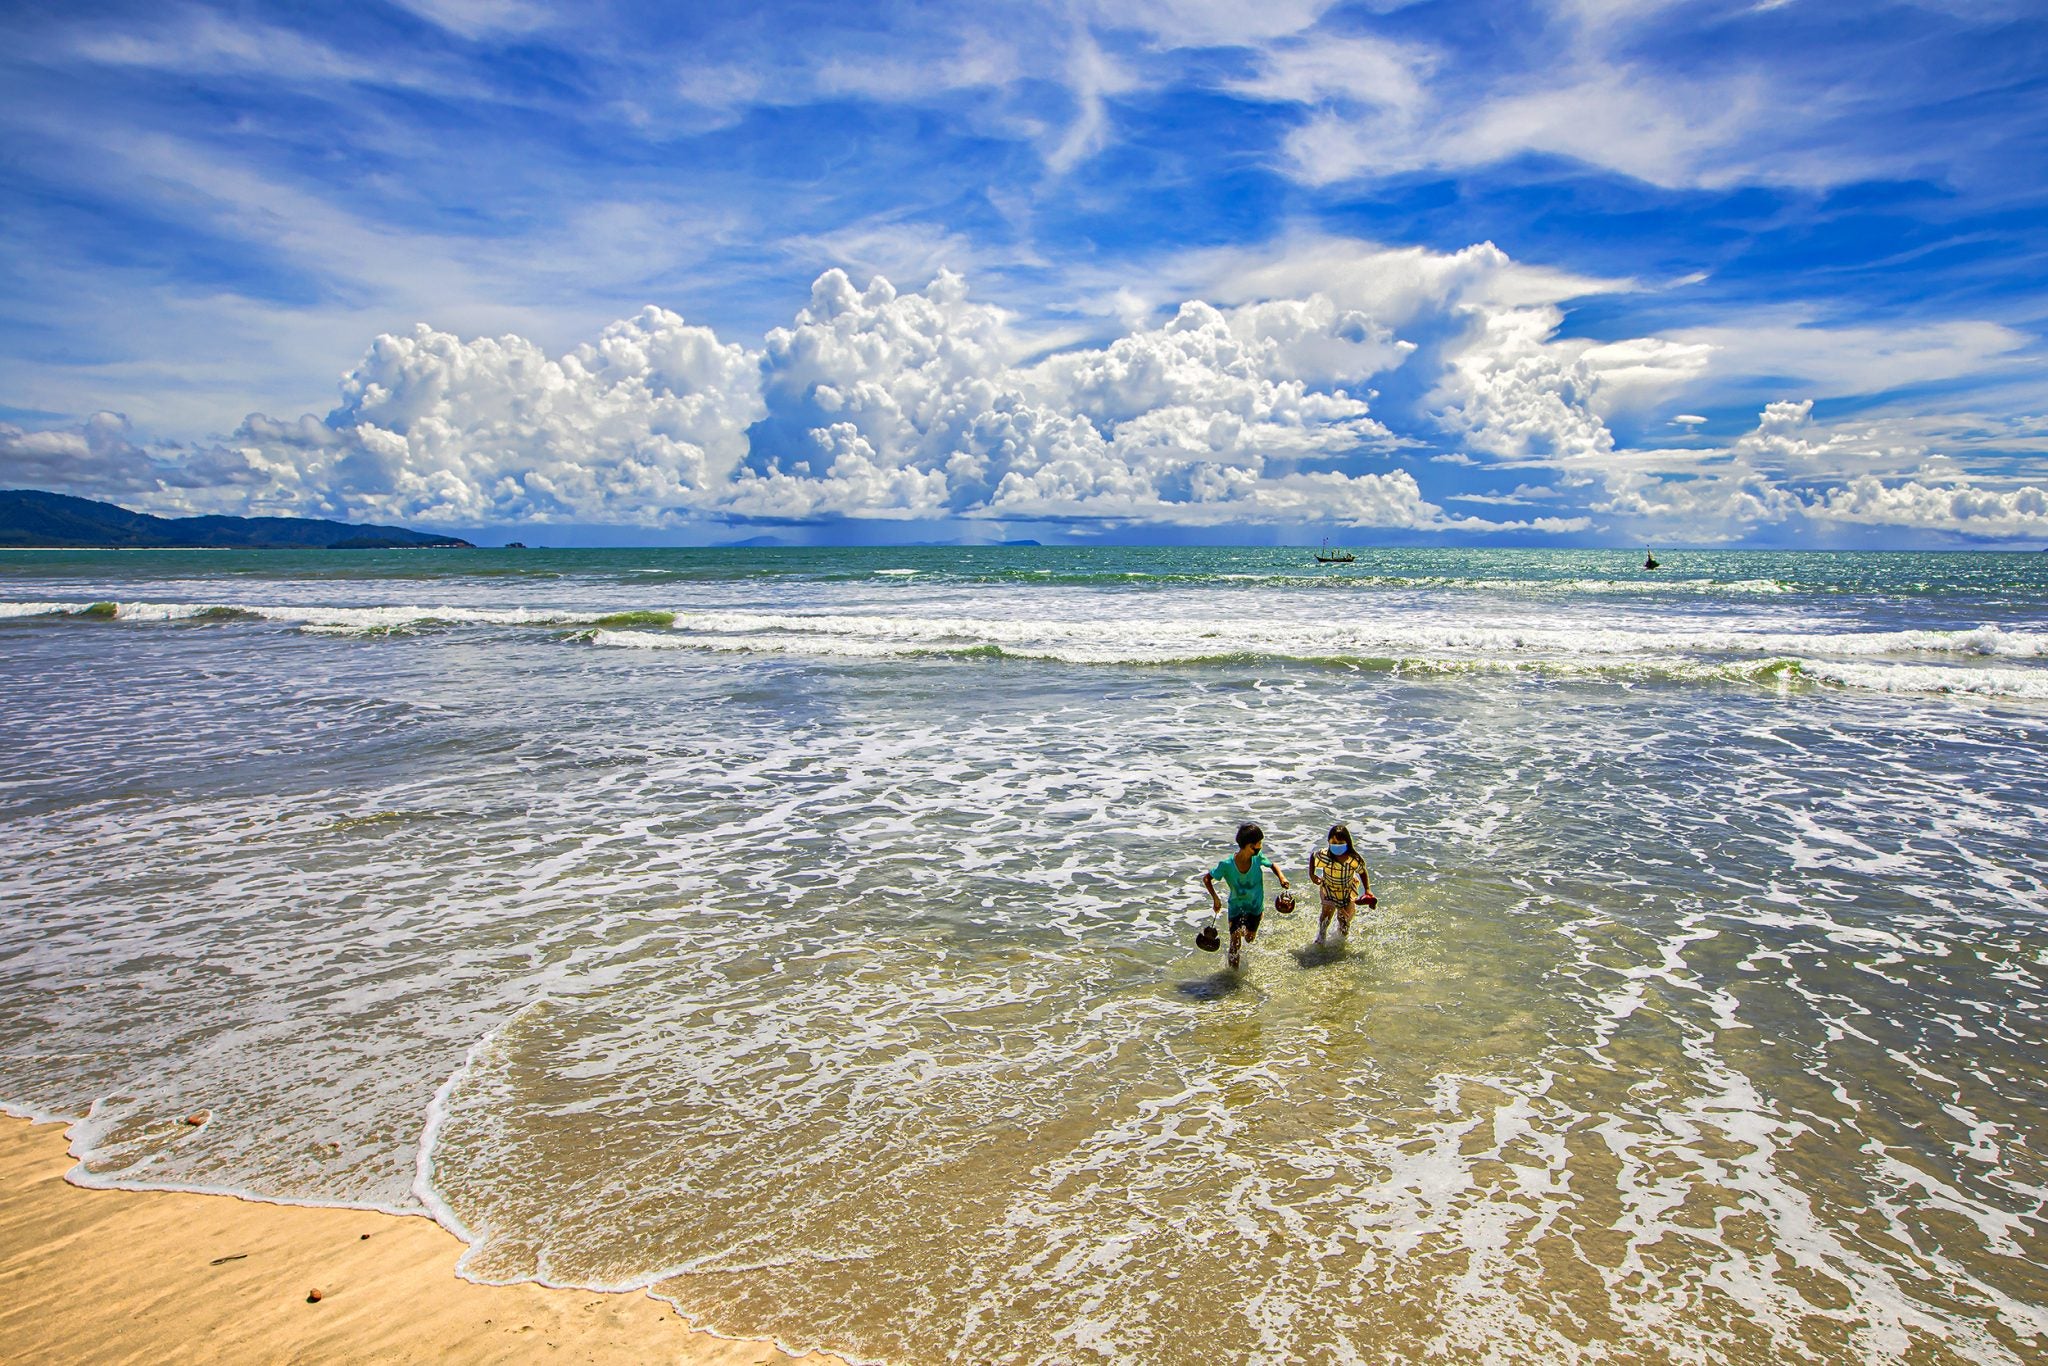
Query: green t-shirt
(1248,888)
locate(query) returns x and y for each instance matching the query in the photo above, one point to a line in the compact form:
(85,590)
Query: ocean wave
(333,619)
(1154,640)
(2028,684)
(11,611)
(1919,660)
(1151,580)
(1099,639)
(1776,671)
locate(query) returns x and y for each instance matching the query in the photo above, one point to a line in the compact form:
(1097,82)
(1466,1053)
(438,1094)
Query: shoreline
(92,1274)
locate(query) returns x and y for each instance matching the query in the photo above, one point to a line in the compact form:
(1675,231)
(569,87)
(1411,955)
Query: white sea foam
(1711,653)
(436,1117)
(1148,638)
(1629,587)
(338,618)
(1091,634)
(872,1021)
(2031,684)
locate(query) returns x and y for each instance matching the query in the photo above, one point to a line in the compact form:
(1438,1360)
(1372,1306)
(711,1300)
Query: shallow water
(823,957)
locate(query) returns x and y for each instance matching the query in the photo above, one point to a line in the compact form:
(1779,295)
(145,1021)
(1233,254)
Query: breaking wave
(1986,660)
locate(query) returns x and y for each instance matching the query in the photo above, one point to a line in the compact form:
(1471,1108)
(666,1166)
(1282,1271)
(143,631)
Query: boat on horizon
(1324,556)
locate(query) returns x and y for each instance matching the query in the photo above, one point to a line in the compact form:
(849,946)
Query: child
(1246,876)
(1340,872)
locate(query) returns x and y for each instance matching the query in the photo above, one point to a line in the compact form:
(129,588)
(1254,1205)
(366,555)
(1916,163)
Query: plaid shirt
(1343,878)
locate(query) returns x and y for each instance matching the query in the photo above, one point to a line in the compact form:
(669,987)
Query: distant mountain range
(30,518)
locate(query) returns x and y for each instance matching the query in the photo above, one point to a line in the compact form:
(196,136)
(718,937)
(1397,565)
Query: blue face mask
(1339,850)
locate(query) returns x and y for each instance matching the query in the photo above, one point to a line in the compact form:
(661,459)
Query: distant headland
(31,519)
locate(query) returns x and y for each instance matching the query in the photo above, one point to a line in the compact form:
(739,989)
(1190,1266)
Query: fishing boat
(1324,556)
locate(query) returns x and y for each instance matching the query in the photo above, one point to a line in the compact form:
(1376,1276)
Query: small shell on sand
(198,1117)
(312,1297)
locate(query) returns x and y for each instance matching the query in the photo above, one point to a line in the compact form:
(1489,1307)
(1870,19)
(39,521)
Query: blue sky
(1578,272)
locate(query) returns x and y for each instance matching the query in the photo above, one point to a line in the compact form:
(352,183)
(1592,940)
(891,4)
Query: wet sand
(108,1276)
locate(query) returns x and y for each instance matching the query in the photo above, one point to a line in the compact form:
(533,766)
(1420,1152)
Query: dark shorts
(1248,921)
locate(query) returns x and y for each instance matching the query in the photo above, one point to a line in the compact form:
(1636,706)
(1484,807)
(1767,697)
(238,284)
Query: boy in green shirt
(1246,877)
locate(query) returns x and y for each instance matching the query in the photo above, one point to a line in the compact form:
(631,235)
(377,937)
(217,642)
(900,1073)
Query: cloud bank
(1261,409)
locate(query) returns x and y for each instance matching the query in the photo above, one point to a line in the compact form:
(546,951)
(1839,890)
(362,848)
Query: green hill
(30,518)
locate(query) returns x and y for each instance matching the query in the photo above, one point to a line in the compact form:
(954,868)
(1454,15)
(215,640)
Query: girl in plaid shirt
(1340,872)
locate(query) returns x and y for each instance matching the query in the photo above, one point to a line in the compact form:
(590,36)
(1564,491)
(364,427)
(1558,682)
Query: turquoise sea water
(806,935)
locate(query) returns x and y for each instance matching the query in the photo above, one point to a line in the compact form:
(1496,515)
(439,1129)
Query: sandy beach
(105,1276)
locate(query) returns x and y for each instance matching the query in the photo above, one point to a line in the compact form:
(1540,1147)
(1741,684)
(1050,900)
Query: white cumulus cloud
(1253,402)
(1793,470)
(1939,506)
(872,402)
(887,400)
(432,427)
(1513,393)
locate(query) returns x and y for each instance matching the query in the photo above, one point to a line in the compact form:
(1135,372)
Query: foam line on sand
(107,1276)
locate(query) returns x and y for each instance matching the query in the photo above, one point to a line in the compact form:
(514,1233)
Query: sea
(806,936)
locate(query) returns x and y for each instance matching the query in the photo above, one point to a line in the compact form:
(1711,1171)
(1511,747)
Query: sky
(1570,272)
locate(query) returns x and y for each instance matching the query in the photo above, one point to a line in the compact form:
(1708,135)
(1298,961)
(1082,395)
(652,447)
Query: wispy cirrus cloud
(1594,83)
(481,18)
(1833,358)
